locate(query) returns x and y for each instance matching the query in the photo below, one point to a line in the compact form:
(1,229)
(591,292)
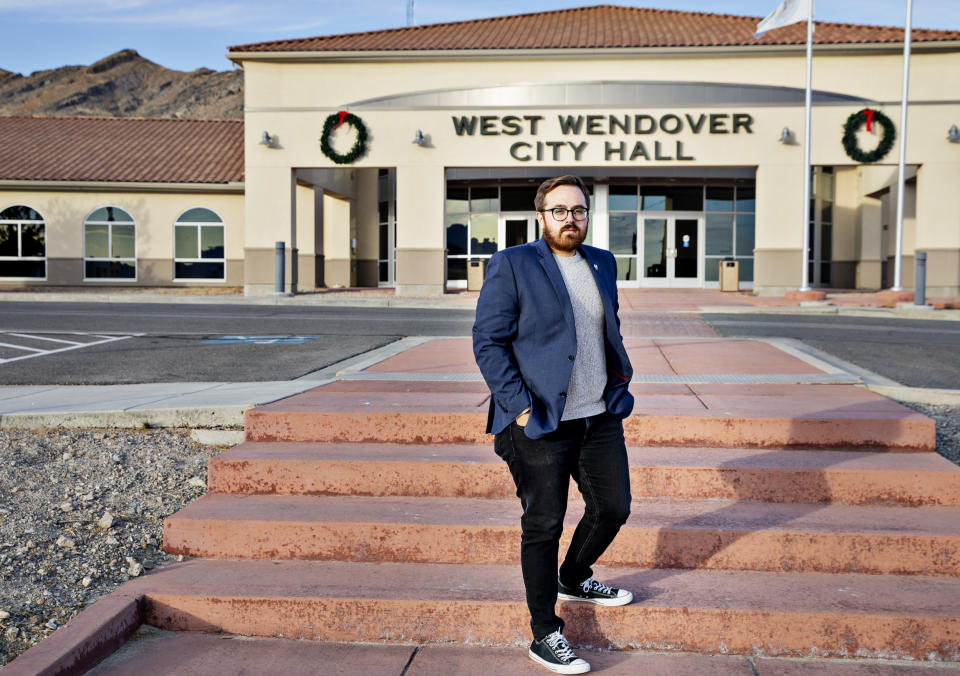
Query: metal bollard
(920,285)
(294,252)
(278,268)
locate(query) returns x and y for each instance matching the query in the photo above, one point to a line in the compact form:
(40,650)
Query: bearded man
(547,341)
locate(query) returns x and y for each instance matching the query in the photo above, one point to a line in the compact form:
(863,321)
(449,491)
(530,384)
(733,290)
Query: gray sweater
(589,377)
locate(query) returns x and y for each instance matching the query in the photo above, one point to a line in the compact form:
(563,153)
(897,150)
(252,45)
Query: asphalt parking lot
(155,343)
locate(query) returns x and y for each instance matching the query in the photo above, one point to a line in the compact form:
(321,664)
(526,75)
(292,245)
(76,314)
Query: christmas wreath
(359,146)
(868,116)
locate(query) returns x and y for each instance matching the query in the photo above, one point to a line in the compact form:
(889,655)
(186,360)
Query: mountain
(123,85)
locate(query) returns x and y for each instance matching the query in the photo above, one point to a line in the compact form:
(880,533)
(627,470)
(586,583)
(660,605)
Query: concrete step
(766,416)
(713,612)
(471,470)
(711,534)
(163,653)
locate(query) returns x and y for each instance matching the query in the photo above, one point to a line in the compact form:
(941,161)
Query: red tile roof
(599,27)
(121,149)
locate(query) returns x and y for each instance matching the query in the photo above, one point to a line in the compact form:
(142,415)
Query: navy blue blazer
(525,340)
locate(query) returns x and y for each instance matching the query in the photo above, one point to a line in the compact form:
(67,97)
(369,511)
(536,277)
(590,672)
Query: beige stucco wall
(154,214)
(283,97)
(853,71)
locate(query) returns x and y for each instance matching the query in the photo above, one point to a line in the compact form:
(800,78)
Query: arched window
(198,246)
(23,243)
(110,245)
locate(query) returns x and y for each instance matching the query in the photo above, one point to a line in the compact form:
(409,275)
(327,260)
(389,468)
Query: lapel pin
(596,267)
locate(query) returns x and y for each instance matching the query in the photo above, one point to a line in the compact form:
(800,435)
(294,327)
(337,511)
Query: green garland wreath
(360,145)
(852,146)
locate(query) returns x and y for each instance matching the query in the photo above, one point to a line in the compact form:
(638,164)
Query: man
(547,340)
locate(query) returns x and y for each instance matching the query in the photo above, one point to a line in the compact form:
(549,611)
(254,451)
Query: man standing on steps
(547,340)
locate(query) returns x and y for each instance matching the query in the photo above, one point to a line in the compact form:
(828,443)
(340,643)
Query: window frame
(19,223)
(199,225)
(110,259)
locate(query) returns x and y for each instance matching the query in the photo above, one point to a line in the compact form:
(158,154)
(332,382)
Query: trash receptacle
(476,271)
(729,275)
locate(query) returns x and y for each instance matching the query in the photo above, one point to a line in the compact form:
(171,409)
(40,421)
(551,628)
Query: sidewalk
(645,300)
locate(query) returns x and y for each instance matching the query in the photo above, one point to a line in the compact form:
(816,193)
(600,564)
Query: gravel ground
(948,428)
(81,512)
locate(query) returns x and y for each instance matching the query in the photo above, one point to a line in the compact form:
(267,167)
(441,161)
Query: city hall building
(400,158)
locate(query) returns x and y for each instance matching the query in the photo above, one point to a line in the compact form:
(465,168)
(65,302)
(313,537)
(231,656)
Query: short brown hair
(540,201)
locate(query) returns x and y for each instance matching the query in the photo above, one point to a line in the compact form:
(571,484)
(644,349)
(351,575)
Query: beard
(565,239)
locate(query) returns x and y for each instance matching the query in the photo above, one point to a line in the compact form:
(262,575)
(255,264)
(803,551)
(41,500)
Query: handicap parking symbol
(258,340)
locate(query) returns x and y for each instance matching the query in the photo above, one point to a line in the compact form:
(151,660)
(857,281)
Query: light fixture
(419,139)
(954,134)
(267,140)
(786,136)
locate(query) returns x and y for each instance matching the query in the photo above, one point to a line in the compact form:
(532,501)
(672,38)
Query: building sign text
(603,125)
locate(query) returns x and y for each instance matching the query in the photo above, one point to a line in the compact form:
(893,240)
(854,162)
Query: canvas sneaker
(592,591)
(553,652)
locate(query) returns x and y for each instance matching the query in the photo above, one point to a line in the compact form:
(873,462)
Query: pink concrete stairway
(787,517)
(756,551)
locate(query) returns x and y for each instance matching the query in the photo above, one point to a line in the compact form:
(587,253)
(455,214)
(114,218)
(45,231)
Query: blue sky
(188,34)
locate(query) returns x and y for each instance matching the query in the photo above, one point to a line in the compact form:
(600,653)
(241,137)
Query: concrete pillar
(368,227)
(268,208)
(780,210)
(938,226)
(306,237)
(420,230)
(844,255)
(339,265)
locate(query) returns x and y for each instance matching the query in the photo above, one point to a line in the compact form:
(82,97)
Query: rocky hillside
(123,85)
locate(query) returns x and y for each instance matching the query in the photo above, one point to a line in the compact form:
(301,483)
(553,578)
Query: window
(387,235)
(820,243)
(472,215)
(23,246)
(622,205)
(483,219)
(198,246)
(730,226)
(109,245)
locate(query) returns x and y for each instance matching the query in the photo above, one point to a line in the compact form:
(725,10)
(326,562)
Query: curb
(828,309)
(919,395)
(83,642)
(203,417)
(442,302)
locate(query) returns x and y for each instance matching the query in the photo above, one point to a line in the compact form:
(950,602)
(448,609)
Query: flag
(788,12)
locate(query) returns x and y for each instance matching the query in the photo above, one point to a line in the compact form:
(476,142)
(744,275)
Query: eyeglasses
(560,213)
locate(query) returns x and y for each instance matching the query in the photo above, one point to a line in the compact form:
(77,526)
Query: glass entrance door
(517,229)
(671,252)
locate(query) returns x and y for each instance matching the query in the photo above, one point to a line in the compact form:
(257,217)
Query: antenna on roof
(410,4)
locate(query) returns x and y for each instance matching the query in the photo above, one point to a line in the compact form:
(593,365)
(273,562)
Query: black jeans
(592,451)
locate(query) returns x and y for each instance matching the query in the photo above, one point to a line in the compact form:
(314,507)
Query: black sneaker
(553,652)
(592,591)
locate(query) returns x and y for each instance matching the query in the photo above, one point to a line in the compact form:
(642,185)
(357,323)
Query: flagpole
(805,270)
(897,261)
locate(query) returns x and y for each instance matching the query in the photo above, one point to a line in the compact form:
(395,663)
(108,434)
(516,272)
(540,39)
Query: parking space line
(77,346)
(21,347)
(54,340)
